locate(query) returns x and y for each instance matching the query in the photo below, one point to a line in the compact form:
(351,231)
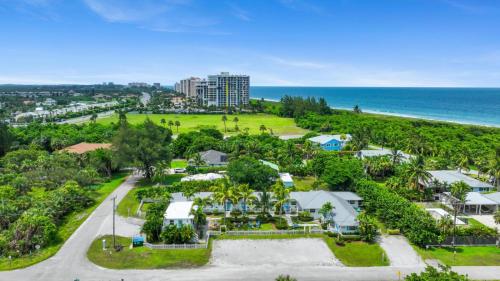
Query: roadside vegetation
(464,256)
(66,228)
(144,258)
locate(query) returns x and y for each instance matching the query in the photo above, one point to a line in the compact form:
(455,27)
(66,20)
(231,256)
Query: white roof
(495,196)
(476,198)
(381,152)
(452,176)
(438,213)
(179,211)
(286,177)
(203,177)
(327,138)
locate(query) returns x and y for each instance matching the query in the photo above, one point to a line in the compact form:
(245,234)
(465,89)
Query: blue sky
(276,42)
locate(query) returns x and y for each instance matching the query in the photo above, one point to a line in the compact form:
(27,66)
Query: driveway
(399,251)
(487,220)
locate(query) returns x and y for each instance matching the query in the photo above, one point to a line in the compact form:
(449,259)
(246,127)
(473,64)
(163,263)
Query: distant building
(49,102)
(287,180)
(157,86)
(188,87)
(138,85)
(214,158)
(177,87)
(450,177)
(226,90)
(331,142)
(202,92)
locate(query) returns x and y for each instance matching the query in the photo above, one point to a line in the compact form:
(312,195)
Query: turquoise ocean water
(464,105)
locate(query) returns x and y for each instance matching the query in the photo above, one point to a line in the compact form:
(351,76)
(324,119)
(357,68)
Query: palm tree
(417,174)
(170,124)
(222,194)
(177,124)
(197,160)
(445,224)
(200,219)
(396,156)
(464,161)
(262,128)
(163,122)
(236,120)
(360,139)
(93,118)
(224,119)
(264,201)
(309,149)
(285,278)
(494,170)
(281,194)
(458,196)
(245,194)
(356,109)
(496,216)
(326,211)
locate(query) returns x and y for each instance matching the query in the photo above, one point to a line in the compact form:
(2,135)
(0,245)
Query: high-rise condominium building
(188,87)
(224,90)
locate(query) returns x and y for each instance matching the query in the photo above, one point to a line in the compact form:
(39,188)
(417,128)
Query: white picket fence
(175,246)
(266,232)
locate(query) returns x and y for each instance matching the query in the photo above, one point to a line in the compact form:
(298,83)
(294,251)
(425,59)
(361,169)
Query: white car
(179,170)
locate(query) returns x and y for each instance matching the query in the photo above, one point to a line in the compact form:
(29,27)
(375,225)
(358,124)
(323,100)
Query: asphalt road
(70,262)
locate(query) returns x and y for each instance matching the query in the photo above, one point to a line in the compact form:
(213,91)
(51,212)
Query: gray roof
(382,152)
(214,157)
(347,195)
(495,196)
(452,176)
(344,213)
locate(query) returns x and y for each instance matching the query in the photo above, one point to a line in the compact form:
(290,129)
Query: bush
(235,213)
(397,212)
(264,218)
(393,232)
(331,234)
(280,223)
(305,216)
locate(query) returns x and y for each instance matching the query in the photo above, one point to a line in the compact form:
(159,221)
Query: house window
(312,211)
(171,222)
(352,202)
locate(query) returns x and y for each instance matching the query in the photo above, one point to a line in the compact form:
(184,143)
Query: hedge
(398,213)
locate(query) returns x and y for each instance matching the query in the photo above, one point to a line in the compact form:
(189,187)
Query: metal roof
(214,157)
(495,196)
(452,176)
(327,138)
(286,177)
(179,210)
(203,177)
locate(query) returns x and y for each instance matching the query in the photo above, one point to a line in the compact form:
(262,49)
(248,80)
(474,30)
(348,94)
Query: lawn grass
(358,253)
(128,205)
(144,258)
(466,256)
(70,224)
(192,122)
(474,222)
(304,183)
(269,236)
(178,163)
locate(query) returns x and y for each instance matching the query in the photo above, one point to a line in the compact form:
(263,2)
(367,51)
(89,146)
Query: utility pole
(114,210)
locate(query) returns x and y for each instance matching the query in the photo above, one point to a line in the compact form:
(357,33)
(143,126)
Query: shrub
(305,216)
(264,218)
(397,212)
(393,232)
(235,213)
(280,223)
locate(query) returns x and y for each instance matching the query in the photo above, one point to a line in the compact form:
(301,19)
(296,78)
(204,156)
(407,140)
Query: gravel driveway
(299,252)
(399,251)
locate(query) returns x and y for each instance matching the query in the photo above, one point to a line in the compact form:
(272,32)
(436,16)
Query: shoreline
(376,112)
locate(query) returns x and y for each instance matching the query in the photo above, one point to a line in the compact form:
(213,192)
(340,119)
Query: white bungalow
(287,180)
(179,214)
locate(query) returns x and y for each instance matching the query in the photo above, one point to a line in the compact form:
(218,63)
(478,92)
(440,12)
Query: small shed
(287,180)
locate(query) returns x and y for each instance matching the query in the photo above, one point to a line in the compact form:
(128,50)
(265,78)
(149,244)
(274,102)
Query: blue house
(331,142)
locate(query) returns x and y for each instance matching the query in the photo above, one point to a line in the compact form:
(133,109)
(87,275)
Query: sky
(421,43)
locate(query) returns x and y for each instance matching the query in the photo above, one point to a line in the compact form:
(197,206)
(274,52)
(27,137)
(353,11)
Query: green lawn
(144,258)
(358,253)
(304,183)
(178,163)
(70,224)
(270,236)
(480,255)
(191,122)
(128,205)
(474,222)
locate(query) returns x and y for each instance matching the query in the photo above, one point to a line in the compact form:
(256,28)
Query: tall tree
(458,195)
(223,193)
(246,194)
(224,119)
(177,125)
(281,194)
(5,139)
(417,174)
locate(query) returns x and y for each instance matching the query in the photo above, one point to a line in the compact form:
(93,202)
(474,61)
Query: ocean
(480,106)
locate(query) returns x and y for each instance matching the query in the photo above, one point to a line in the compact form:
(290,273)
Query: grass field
(304,183)
(191,122)
(358,253)
(129,204)
(178,163)
(144,258)
(480,255)
(70,224)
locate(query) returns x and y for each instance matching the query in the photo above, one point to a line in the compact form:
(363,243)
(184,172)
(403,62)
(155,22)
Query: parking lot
(300,252)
